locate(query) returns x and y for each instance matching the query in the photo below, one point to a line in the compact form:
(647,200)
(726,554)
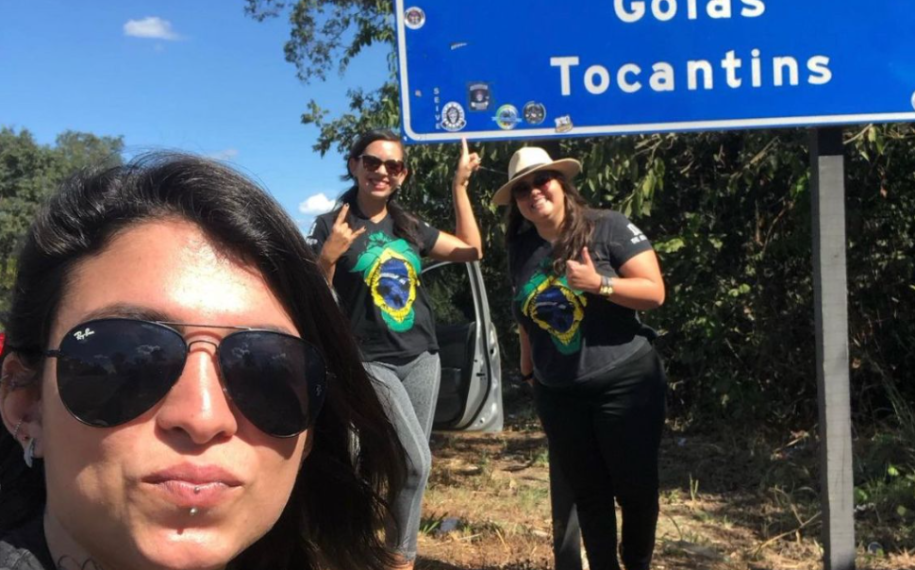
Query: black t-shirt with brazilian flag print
(379,286)
(575,335)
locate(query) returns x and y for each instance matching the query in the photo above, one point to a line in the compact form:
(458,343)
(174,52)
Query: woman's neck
(550,228)
(374,210)
(65,551)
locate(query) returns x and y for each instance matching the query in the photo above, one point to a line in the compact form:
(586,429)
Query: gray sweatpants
(409,392)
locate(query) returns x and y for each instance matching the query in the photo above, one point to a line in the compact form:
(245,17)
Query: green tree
(28,173)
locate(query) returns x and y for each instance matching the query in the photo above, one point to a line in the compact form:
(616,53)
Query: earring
(16,431)
(29,455)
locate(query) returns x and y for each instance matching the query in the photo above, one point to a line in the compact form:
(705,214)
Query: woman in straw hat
(578,276)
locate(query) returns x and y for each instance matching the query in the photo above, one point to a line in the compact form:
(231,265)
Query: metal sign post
(831,310)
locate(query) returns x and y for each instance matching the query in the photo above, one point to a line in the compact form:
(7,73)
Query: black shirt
(379,285)
(574,335)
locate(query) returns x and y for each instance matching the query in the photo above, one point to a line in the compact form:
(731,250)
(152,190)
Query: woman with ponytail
(370,250)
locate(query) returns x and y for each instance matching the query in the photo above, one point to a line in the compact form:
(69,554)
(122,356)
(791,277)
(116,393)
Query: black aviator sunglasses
(111,371)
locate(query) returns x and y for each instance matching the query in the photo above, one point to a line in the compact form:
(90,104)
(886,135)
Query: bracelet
(528,377)
(606,286)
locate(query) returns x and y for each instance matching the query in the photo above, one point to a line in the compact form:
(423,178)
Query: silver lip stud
(193,511)
(197,489)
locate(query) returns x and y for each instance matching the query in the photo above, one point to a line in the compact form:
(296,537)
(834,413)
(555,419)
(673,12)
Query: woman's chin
(191,549)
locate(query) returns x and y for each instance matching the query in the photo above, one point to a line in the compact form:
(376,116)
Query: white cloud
(316,204)
(226,154)
(150,27)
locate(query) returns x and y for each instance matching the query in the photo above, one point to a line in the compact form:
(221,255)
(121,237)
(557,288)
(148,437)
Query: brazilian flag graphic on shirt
(390,268)
(555,307)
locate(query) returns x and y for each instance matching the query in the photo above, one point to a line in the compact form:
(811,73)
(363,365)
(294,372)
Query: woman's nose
(197,404)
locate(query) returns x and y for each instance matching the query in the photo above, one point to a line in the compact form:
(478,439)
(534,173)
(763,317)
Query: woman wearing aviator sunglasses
(579,275)
(370,248)
(178,388)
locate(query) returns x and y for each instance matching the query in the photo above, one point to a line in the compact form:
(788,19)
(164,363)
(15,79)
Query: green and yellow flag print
(391,268)
(556,308)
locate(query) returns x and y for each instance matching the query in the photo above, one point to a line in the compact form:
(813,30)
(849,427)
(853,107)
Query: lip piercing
(193,511)
(197,489)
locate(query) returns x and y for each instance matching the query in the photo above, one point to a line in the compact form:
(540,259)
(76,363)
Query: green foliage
(28,173)
(728,212)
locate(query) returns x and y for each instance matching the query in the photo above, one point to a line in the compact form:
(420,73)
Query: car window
(449,293)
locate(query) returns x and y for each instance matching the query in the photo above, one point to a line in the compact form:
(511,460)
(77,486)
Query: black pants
(605,433)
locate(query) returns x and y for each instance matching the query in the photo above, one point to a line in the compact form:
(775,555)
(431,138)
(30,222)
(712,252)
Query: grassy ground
(735,499)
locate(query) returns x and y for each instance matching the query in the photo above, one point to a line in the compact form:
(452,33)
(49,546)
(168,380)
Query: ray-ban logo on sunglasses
(83,334)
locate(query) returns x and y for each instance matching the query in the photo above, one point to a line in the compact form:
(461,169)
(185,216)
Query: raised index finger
(464,149)
(342,215)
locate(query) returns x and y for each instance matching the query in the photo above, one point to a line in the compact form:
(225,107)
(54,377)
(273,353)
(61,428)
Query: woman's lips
(187,495)
(193,486)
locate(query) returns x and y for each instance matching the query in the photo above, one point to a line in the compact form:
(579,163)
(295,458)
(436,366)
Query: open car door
(470,397)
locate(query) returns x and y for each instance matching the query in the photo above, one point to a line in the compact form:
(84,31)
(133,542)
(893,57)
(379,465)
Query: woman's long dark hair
(576,230)
(405,225)
(340,497)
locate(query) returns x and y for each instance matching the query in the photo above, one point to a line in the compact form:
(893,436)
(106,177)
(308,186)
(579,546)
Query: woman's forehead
(385,149)
(173,268)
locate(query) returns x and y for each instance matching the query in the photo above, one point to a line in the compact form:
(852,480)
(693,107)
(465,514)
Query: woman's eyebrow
(139,312)
(127,311)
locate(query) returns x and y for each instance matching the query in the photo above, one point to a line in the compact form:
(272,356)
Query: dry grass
(731,501)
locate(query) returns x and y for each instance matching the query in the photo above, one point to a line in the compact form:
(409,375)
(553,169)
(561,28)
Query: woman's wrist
(527,377)
(606,286)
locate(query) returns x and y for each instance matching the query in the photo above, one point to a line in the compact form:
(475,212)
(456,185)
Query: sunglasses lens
(521,190)
(111,371)
(275,380)
(394,167)
(371,163)
(542,178)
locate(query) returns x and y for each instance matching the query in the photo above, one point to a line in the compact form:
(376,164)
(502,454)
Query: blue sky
(193,75)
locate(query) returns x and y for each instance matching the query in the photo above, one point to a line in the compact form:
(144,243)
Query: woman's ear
(20,398)
(403,177)
(351,165)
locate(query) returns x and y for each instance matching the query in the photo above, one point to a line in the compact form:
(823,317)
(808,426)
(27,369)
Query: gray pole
(831,310)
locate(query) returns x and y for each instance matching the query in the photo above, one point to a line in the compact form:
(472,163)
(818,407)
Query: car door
(470,397)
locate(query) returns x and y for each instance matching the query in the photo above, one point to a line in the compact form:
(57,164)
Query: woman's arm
(526,362)
(466,243)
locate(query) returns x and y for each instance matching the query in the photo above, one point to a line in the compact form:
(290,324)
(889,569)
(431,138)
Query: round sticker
(507,117)
(534,113)
(453,117)
(414,18)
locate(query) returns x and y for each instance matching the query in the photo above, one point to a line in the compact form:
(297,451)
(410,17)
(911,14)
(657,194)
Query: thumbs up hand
(582,275)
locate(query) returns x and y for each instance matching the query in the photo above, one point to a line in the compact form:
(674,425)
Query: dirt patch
(729,501)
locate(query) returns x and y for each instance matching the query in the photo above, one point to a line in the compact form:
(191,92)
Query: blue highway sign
(503,69)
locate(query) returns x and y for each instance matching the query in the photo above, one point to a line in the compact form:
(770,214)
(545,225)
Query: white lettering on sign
(631,11)
(698,74)
(564,63)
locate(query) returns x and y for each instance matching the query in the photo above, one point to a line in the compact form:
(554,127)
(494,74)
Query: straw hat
(529,160)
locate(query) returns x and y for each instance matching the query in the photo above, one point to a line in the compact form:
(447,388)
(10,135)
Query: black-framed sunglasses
(391,166)
(113,370)
(522,189)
